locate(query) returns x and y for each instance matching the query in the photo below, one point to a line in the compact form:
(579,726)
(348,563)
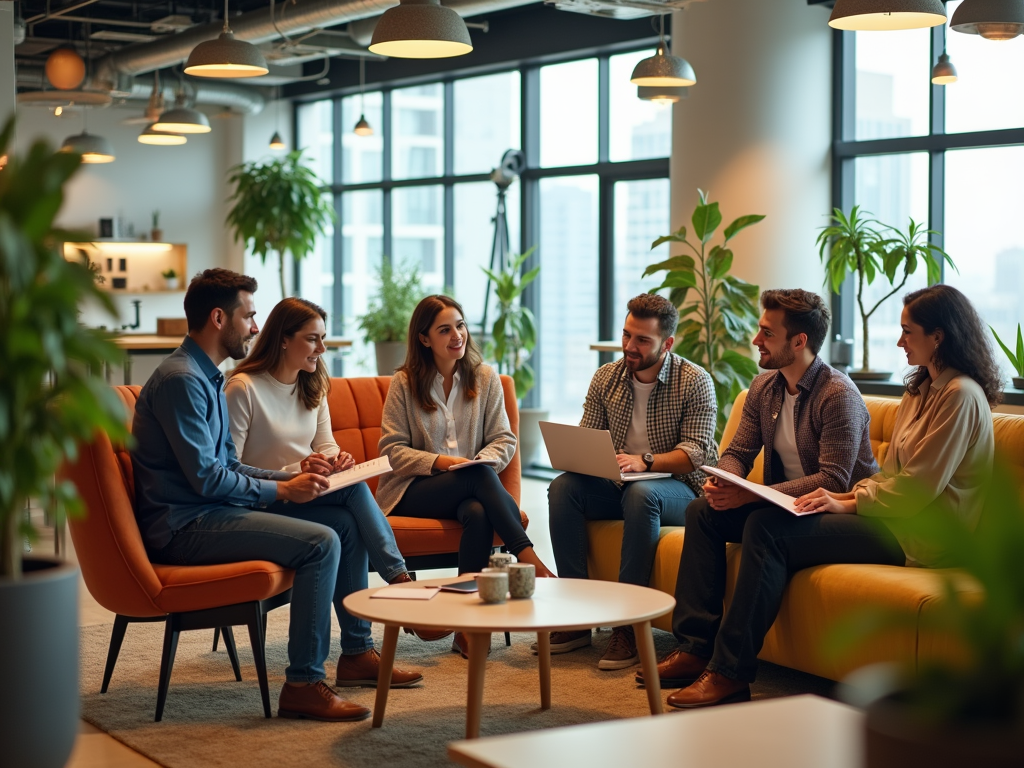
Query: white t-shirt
(271,426)
(785,438)
(637,441)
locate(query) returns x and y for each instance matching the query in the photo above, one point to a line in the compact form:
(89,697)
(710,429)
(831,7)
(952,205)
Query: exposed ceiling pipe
(257,27)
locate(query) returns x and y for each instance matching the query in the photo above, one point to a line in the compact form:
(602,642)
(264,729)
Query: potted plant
(386,324)
(48,403)
(855,245)
(967,707)
(278,206)
(719,318)
(155,233)
(1016,360)
(513,337)
(170,279)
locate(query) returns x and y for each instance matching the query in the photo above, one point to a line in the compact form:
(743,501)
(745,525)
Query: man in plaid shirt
(661,412)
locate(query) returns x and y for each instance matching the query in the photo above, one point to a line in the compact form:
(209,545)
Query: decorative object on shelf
(992,19)
(944,73)
(386,322)
(170,279)
(363,127)
(278,206)
(717,321)
(155,233)
(226,56)
(855,245)
(65,69)
(420,29)
(1016,360)
(663,69)
(963,703)
(880,15)
(48,403)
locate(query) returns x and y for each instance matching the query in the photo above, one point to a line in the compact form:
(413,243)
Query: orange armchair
(119,575)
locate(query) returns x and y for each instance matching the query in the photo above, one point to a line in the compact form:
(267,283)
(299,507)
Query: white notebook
(359,473)
(765,492)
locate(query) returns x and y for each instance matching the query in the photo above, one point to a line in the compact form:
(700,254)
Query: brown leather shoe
(402,578)
(317,701)
(709,690)
(460,644)
(428,635)
(363,669)
(677,670)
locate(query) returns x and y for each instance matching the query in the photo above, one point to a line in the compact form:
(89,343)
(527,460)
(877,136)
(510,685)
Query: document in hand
(471,462)
(359,473)
(765,492)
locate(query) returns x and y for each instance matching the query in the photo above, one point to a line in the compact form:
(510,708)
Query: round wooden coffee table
(558,604)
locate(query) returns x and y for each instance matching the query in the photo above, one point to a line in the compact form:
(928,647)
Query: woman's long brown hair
(283,322)
(419,364)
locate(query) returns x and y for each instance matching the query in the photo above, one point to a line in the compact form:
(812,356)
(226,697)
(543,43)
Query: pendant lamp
(363,127)
(878,15)
(420,29)
(663,69)
(663,95)
(65,69)
(93,149)
(182,119)
(276,142)
(944,73)
(992,19)
(160,138)
(226,57)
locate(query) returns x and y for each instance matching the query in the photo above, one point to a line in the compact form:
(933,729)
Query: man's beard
(784,357)
(643,363)
(236,346)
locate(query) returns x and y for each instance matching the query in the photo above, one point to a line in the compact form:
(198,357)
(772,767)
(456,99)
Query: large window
(418,193)
(948,156)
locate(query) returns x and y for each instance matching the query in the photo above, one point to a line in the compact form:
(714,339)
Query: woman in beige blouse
(940,457)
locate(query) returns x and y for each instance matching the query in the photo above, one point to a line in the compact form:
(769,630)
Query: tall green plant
(514,333)
(1017,360)
(279,206)
(717,311)
(856,245)
(392,307)
(48,399)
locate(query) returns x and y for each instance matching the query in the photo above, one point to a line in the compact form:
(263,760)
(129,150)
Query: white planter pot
(390,356)
(530,438)
(171,283)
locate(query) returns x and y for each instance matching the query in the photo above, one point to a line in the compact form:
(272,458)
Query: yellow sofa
(817,597)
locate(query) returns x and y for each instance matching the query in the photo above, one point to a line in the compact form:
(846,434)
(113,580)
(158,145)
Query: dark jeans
(476,498)
(319,539)
(776,544)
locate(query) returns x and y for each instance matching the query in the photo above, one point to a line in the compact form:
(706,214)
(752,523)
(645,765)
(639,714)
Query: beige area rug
(211,720)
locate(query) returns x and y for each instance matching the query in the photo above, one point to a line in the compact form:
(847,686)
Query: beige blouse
(939,460)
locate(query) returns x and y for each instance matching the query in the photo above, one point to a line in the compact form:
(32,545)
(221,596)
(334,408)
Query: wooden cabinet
(133,266)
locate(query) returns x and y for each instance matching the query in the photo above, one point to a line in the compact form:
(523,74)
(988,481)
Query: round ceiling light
(663,70)
(65,69)
(160,138)
(944,73)
(363,127)
(992,19)
(182,119)
(420,29)
(878,15)
(93,149)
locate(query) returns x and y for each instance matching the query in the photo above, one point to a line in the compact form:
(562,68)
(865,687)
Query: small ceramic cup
(492,586)
(501,560)
(522,580)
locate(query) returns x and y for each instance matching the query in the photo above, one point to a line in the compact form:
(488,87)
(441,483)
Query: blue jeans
(320,540)
(643,505)
(376,533)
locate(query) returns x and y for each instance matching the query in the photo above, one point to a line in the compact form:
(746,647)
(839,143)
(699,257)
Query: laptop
(587,452)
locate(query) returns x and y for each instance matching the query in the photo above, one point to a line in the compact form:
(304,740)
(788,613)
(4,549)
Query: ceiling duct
(621,9)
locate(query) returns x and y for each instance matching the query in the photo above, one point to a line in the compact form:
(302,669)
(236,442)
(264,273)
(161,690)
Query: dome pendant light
(93,149)
(420,29)
(226,57)
(944,73)
(992,19)
(877,15)
(662,95)
(363,127)
(276,142)
(663,69)
(182,119)
(160,138)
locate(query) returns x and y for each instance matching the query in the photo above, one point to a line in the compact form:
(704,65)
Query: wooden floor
(95,749)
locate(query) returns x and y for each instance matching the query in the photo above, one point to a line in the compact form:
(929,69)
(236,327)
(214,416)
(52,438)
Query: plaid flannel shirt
(681,412)
(831,424)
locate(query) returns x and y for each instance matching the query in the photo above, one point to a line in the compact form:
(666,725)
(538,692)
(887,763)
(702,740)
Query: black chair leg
(257,639)
(171,631)
(508,639)
(116,638)
(216,637)
(229,645)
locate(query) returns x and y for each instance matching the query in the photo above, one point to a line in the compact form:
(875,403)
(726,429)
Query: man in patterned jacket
(813,426)
(661,412)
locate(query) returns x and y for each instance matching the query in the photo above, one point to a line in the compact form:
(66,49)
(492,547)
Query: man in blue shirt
(197,504)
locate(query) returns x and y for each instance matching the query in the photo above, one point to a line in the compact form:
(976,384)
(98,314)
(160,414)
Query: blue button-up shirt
(184,461)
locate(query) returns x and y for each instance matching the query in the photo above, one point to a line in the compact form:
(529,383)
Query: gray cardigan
(413,438)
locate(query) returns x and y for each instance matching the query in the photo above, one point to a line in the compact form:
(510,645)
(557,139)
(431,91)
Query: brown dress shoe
(709,690)
(363,670)
(677,670)
(428,635)
(402,578)
(317,701)
(460,644)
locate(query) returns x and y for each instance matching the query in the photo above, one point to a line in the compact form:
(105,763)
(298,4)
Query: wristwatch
(648,459)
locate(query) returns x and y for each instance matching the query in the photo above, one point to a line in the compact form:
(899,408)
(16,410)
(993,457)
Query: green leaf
(719,262)
(674,263)
(705,220)
(1017,361)
(740,224)
(678,280)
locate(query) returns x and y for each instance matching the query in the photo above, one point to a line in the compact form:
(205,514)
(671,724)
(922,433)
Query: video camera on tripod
(512,164)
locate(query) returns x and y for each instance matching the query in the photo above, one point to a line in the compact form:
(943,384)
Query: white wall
(756,130)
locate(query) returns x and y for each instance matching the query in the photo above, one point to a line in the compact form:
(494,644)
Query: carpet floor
(212,720)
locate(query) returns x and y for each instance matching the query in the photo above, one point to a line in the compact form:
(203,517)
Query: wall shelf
(133,266)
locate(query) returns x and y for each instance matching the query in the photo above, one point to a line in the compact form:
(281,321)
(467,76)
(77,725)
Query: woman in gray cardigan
(445,408)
